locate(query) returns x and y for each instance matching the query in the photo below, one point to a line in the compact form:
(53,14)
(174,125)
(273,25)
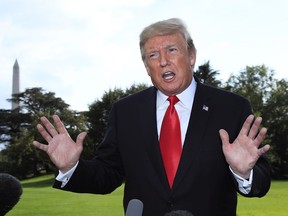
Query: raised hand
(244,152)
(62,150)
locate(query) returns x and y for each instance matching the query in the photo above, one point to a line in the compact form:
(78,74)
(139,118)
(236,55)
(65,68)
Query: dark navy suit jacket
(130,152)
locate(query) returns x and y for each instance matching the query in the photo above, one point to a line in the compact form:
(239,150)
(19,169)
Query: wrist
(244,175)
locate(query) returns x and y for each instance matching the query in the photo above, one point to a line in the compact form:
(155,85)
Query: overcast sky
(81,48)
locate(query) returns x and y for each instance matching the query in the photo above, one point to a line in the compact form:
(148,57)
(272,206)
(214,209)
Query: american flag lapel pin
(205,108)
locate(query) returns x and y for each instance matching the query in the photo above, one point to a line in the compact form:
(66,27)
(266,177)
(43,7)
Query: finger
(224,137)
(246,126)
(80,138)
(40,146)
(260,137)
(263,150)
(255,128)
(49,127)
(59,124)
(44,133)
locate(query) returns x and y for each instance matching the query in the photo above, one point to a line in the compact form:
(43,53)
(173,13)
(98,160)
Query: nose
(164,61)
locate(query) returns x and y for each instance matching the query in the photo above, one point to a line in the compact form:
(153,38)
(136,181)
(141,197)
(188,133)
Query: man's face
(169,63)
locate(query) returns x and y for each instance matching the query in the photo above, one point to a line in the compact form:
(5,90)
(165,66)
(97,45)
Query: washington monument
(15,84)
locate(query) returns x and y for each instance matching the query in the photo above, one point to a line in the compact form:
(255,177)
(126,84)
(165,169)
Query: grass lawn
(274,203)
(40,199)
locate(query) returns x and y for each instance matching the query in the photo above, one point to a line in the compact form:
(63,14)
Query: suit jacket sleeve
(261,179)
(104,173)
(261,171)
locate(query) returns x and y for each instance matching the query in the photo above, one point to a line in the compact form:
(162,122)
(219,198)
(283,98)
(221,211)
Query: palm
(244,152)
(62,150)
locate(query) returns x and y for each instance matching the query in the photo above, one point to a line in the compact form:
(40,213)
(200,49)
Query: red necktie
(170,140)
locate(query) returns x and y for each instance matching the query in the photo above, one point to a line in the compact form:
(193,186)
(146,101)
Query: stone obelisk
(15,84)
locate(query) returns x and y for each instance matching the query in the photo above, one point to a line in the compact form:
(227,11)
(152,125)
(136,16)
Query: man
(209,171)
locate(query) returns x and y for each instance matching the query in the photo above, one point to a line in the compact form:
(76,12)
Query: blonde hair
(166,27)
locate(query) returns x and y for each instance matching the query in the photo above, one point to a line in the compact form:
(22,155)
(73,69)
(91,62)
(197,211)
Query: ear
(192,59)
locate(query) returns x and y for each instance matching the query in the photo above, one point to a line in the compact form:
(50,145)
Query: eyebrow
(151,50)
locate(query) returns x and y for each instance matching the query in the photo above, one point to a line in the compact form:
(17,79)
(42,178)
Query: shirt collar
(186,97)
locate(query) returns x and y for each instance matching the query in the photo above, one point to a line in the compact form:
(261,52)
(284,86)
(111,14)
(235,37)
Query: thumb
(224,137)
(80,138)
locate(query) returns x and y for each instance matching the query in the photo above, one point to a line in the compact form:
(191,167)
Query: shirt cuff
(64,177)
(243,184)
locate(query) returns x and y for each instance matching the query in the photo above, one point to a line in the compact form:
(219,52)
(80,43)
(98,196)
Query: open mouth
(168,75)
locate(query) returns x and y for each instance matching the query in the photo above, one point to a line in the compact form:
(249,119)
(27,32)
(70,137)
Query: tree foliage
(18,130)
(268,97)
(98,114)
(275,114)
(207,75)
(254,83)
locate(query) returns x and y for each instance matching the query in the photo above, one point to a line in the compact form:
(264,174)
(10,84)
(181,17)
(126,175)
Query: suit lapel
(152,144)
(195,132)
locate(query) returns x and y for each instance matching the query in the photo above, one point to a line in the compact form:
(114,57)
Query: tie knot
(173,99)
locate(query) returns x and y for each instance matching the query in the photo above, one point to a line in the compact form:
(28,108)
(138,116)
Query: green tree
(98,114)
(254,83)
(275,115)
(20,130)
(207,75)
(268,97)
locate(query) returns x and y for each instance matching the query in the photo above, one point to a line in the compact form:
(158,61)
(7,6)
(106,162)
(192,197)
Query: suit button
(170,204)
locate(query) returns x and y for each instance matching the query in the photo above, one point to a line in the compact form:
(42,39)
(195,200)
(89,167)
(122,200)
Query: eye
(153,55)
(172,49)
